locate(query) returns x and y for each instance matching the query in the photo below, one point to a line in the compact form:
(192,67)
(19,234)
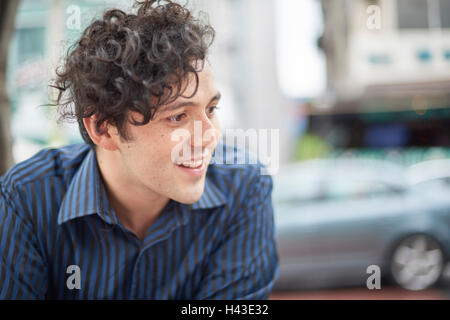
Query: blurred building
(388,74)
(372,43)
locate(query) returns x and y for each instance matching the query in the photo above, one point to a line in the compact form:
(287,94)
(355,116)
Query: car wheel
(417,262)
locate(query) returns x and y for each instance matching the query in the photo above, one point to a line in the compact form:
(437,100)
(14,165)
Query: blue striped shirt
(61,239)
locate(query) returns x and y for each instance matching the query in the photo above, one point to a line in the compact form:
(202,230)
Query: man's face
(151,159)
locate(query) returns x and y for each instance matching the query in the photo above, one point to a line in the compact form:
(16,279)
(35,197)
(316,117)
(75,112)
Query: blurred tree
(311,146)
(8,9)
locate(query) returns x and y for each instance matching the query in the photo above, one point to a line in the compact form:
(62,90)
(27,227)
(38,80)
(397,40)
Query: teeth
(192,164)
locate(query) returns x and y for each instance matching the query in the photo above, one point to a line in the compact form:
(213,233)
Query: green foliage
(311,146)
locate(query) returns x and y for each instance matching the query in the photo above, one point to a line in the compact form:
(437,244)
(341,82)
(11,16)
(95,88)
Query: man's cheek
(180,142)
(212,136)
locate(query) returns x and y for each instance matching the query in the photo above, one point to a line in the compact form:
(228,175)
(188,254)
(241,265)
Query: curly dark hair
(130,62)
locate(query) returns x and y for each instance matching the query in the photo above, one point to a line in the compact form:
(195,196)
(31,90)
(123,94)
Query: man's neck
(136,206)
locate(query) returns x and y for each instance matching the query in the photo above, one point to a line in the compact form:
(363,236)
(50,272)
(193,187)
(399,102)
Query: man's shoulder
(237,168)
(49,162)
(235,159)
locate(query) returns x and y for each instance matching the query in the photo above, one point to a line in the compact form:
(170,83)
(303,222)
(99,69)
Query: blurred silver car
(335,218)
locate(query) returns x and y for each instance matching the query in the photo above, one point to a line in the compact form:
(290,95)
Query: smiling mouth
(194,163)
(194,168)
(191,164)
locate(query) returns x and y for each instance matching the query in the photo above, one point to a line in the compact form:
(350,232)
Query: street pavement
(387,293)
(441,292)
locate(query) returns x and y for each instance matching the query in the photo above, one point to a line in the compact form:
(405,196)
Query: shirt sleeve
(23,272)
(245,265)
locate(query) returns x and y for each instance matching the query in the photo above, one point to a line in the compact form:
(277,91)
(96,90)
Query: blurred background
(360,93)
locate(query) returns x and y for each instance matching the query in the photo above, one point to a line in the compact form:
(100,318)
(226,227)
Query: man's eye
(177,118)
(212,110)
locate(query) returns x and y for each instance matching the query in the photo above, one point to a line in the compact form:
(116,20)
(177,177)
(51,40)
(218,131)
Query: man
(141,210)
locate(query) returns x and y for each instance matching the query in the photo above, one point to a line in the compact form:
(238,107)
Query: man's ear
(107,138)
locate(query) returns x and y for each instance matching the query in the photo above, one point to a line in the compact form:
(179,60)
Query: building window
(31,43)
(444,8)
(423,14)
(412,14)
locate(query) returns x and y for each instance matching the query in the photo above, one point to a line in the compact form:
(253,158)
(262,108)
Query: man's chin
(189,196)
(188,200)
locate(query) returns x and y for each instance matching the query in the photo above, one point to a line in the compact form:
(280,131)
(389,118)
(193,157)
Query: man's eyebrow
(188,103)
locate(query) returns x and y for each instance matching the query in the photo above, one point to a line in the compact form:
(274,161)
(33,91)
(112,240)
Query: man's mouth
(195,167)
(191,164)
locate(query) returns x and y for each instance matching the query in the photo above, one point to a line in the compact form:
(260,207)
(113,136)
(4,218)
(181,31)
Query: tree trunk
(8,9)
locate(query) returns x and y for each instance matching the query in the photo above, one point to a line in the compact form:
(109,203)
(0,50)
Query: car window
(297,193)
(433,184)
(354,189)
(318,182)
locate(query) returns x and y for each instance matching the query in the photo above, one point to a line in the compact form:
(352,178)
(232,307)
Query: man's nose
(203,133)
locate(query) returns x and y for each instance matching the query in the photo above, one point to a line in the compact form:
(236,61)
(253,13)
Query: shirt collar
(86,195)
